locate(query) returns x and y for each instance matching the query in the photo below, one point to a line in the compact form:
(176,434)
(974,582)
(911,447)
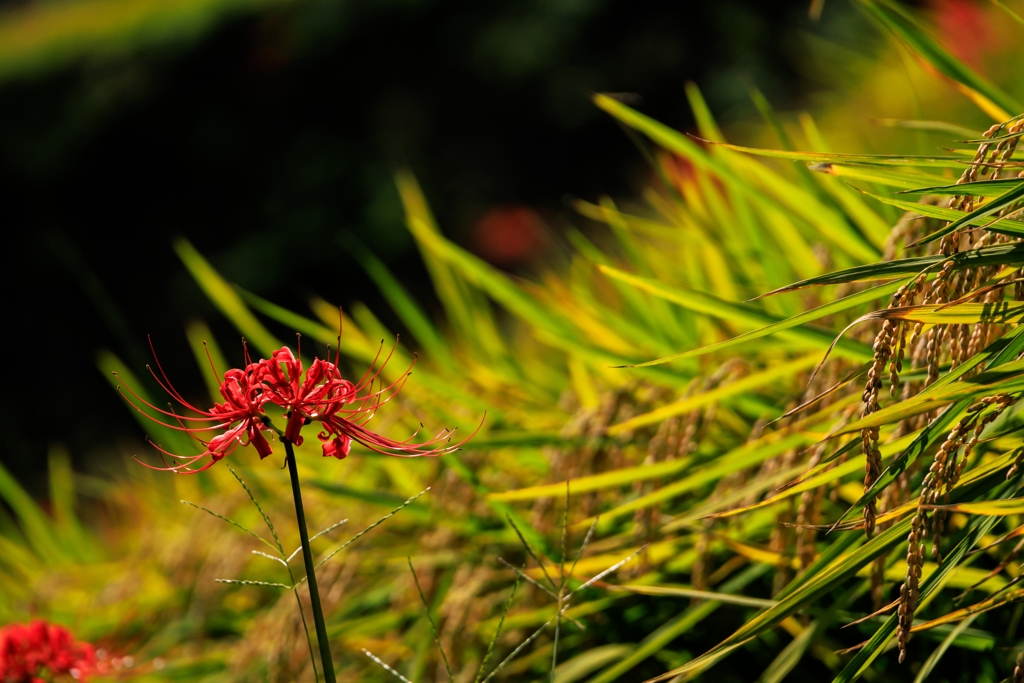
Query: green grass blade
(1013,15)
(34,523)
(837,157)
(979,188)
(978,216)
(886,176)
(709,304)
(1008,378)
(403,304)
(945,127)
(1001,312)
(225,298)
(1005,226)
(858,352)
(209,358)
(1001,254)
(722,466)
(936,655)
(781,195)
(115,372)
(773,374)
(481,274)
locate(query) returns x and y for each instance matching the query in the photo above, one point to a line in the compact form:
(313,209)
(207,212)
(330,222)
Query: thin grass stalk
(307,557)
(430,619)
(497,632)
(291,576)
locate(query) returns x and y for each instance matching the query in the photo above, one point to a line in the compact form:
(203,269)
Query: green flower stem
(307,557)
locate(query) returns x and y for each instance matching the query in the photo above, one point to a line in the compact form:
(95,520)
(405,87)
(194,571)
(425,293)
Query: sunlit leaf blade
(773,194)
(1007,378)
(996,138)
(936,656)
(930,126)
(1002,313)
(933,433)
(352,342)
(725,464)
(819,476)
(888,176)
(401,301)
(481,274)
(596,482)
(116,372)
(775,373)
(709,304)
(1001,254)
(1013,15)
(833,157)
(1012,506)
(976,217)
(979,188)
(965,614)
(223,295)
(38,531)
(1006,226)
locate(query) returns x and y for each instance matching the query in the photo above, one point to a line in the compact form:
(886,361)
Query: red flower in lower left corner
(40,652)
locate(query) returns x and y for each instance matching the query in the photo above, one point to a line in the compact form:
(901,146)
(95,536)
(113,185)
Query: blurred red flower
(509,235)
(39,652)
(965,28)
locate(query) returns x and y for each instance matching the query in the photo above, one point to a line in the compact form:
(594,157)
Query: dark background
(275,131)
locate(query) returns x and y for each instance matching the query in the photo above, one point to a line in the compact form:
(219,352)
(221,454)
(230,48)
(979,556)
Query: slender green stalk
(307,557)
(291,574)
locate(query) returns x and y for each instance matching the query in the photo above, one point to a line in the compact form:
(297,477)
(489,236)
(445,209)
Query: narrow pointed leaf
(834,157)
(709,304)
(1006,379)
(980,188)
(1007,226)
(224,297)
(1001,254)
(978,216)
(775,373)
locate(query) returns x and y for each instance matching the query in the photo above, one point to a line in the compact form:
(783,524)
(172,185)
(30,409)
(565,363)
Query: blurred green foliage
(41,36)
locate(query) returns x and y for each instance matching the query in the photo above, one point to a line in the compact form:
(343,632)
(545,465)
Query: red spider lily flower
(240,416)
(320,394)
(343,408)
(30,651)
(322,385)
